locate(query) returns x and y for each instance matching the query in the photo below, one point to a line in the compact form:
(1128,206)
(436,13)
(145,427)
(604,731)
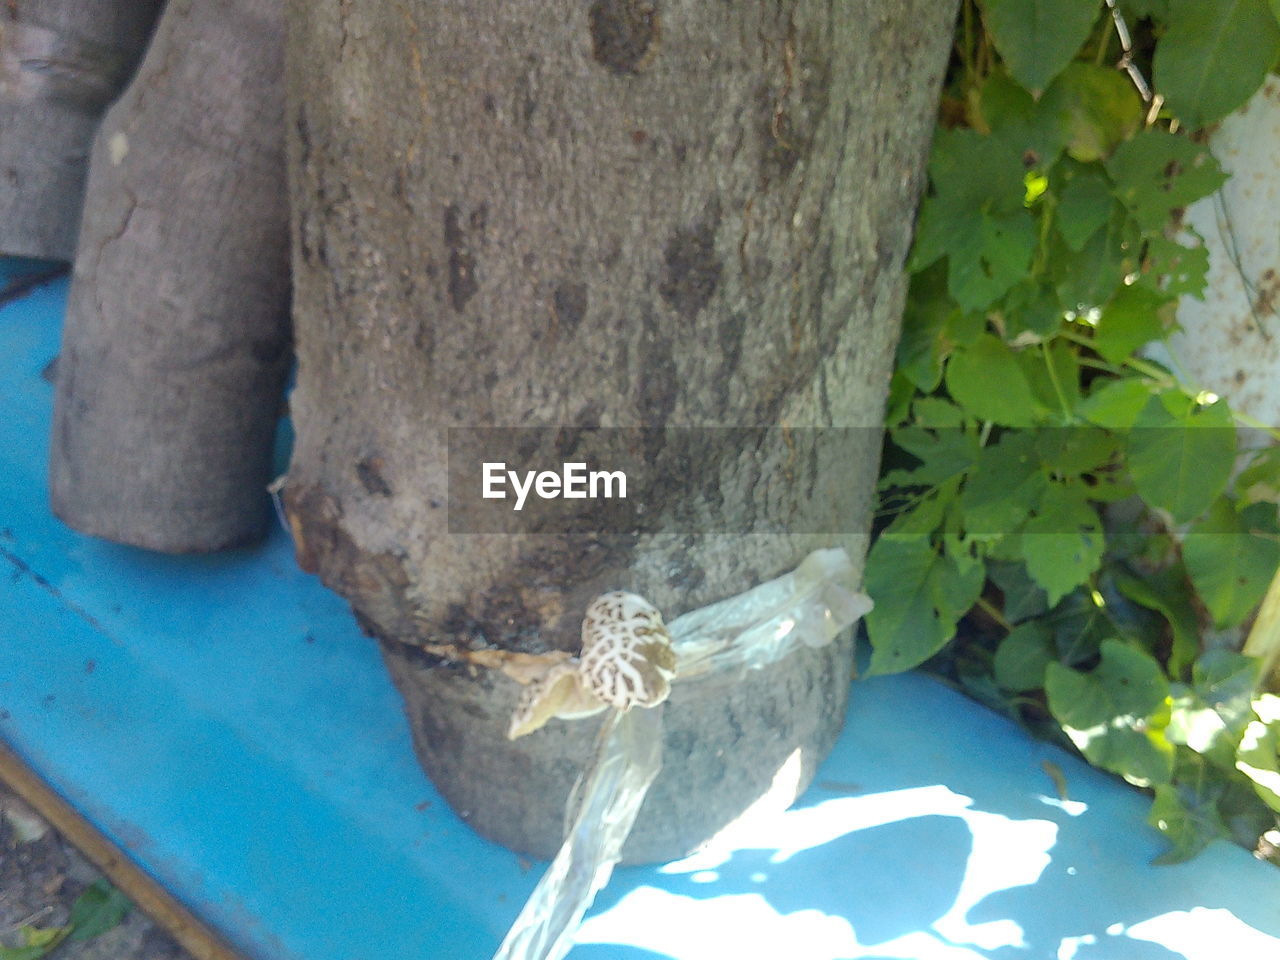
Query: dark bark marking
(304,137)
(790,112)
(571,305)
(657,379)
(462,628)
(525,102)
(441,737)
(729,339)
(693,269)
(624,34)
(452,229)
(777,157)
(462,264)
(370,472)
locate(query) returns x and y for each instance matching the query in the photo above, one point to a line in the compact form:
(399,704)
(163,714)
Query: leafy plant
(1061,501)
(99,908)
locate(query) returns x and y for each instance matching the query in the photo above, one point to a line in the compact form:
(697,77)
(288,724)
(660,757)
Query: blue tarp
(225,722)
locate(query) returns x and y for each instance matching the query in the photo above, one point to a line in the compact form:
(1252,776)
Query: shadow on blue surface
(18,275)
(224,720)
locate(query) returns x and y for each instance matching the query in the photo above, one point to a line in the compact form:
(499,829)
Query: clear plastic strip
(628,758)
(809,606)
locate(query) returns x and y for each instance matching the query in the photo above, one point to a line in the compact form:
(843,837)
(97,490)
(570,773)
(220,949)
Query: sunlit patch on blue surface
(1072,808)
(804,895)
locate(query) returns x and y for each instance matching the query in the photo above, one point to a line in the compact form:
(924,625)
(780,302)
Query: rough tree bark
(61,63)
(175,346)
(618,213)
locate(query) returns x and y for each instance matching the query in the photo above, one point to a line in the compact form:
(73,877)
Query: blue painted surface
(224,720)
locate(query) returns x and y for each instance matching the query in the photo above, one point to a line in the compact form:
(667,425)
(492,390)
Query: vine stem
(1244,420)
(995,613)
(1053,378)
(1263,641)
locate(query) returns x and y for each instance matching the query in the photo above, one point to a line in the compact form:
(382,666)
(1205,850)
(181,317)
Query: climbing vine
(1089,527)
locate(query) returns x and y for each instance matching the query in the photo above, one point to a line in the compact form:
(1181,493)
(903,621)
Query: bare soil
(41,875)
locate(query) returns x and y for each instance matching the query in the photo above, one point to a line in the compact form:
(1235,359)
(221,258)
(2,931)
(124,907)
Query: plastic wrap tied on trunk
(628,660)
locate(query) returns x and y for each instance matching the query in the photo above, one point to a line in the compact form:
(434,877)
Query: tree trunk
(61,63)
(621,213)
(175,346)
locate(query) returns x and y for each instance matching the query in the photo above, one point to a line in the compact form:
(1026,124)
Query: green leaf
(1189,827)
(990,253)
(1038,38)
(1221,677)
(47,937)
(1130,320)
(1180,454)
(1056,402)
(1158,172)
(986,380)
(1014,118)
(1165,591)
(920,595)
(942,454)
(1079,626)
(1200,728)
(958,153)
(936,231)
(1116,404)
(1075,451)
(898,405)
(927,515)
(98,909)
(1089,278)
(1230,566)
(1258,757)
(1115,714)
(934,413)
(1085,202)
(1023,598)
(1095,107)
(979,223)
(1031,312)
(1173,269)
(1063,543)
(1211,716)
(922,346)
(23,953)
(1259,482)
(1003,486)
(1022,657)
(36,942)
(1213,56)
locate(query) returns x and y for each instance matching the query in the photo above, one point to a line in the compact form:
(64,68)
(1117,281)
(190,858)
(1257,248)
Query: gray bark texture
(176,341)
(613,213)
(61,63)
